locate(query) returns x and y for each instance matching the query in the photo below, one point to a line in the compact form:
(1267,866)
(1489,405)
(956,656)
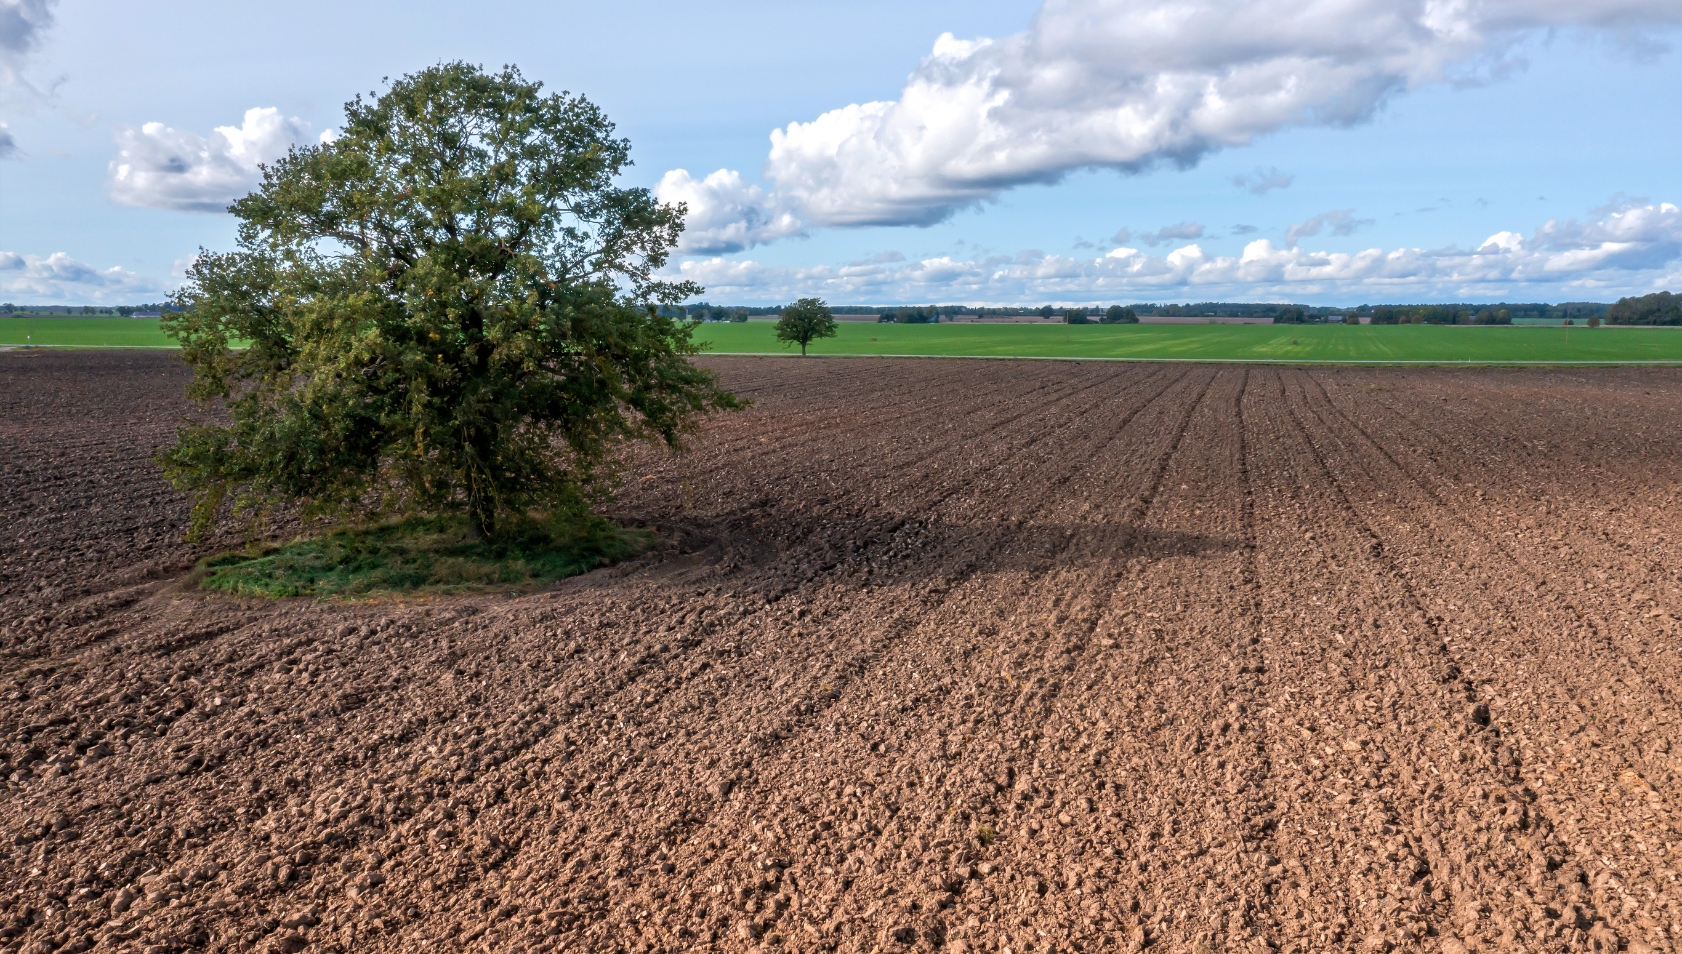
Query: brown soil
(970,656)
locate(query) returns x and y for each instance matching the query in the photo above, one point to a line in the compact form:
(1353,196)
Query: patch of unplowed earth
(966,656)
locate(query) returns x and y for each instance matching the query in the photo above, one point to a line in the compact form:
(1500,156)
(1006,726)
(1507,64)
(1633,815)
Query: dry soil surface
(941,655)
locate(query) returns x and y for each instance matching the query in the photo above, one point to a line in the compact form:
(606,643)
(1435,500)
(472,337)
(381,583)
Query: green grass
(1430,344)
(419,556)
(83,332)
(1435,344)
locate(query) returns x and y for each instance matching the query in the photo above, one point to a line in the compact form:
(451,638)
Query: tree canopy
(1661,308)
(449,308)
(804,322)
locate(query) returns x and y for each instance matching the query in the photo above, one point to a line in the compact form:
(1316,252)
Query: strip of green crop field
(71,332)
(1335,344)
(1290,344)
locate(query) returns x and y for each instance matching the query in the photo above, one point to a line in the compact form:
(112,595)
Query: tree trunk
(481,497)
(481,522)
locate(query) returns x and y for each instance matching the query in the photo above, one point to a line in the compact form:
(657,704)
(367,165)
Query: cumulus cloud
(60,278)
(1264,181)
(22,22)
(163,168)
(1131,85)
(1628,250)
(725,214)
(1339,221)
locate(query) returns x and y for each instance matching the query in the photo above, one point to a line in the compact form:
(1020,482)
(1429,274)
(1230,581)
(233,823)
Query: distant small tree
(805,321)
(1046,311)
(1594,321)
(1117,315)
(739,315)
(1075,316)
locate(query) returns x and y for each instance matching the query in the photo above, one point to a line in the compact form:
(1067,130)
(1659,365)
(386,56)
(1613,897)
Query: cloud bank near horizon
(58,278)
(1632,248)
(1128,85)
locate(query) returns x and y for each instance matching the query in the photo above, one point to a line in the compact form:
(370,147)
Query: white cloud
(725,214)
(60,278)
(1264,181)
(1133,84)
(163,168)
(22,22)
(1340,221)
(1628,250)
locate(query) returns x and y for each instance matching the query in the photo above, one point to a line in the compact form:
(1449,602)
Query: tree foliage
(1117,315)
(1661,308)
(451,307)
(804,322)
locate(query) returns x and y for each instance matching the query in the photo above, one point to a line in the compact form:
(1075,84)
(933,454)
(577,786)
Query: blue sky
(1095,151)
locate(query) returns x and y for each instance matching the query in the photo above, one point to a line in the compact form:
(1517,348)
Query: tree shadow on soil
(788,549)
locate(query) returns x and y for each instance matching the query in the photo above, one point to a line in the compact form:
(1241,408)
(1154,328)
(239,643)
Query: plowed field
(968,656)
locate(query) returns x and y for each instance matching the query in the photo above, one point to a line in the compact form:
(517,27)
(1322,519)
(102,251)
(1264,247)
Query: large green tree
(804,322)
(449,308)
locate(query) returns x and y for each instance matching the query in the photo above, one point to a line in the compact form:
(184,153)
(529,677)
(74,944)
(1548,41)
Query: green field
(1432,344)
(83,332)
(1378,344)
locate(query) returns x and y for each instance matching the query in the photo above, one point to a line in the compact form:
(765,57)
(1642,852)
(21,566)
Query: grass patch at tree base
(427,555)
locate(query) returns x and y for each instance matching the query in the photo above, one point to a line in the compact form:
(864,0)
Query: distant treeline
(1501,313)
(1280,313)
(709,312)
(1662,308)
(123,310)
